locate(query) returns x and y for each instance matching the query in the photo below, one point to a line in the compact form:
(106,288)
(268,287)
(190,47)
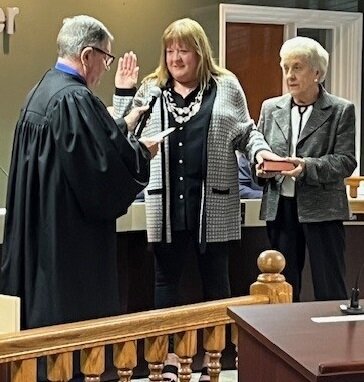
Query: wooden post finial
(271,282)
(271,263)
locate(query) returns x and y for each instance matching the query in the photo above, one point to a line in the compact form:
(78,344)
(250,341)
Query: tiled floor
(225,376)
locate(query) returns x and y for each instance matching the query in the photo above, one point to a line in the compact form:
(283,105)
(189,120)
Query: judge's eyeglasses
(109,58)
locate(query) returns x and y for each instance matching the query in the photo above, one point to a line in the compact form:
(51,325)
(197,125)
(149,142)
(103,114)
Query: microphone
(155,93)
(353,307)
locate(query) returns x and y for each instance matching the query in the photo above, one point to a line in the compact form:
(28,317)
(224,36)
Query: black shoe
(170,373)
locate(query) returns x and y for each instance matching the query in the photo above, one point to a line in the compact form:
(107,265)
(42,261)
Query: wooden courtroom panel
(9,314)
(280,343)
(252,54)
(9,322)
(271,370)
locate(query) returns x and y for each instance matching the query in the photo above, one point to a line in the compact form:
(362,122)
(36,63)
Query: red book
(277,166)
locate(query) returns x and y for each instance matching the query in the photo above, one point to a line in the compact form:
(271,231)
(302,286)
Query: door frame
(346,41)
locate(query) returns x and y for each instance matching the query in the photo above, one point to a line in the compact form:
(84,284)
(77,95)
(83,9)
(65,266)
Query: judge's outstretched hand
(151,144)
(133,117)
(126,76)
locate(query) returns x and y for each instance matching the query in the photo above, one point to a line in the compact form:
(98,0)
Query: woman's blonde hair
(191,33)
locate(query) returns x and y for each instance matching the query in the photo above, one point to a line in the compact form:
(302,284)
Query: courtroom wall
(136,25)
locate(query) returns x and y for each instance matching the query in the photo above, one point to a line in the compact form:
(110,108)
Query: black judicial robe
(73,172)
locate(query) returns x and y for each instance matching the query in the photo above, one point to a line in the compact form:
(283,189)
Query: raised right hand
(126,76)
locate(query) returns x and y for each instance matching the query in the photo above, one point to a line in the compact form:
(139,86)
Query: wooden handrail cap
(271,261)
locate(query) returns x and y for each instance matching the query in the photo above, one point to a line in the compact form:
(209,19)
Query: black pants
(325,242)
(170,260)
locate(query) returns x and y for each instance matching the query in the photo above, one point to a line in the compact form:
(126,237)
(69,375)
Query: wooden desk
(280,343)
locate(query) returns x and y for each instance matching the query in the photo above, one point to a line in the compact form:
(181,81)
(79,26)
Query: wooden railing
(21,350)
(354,183)
(356,204)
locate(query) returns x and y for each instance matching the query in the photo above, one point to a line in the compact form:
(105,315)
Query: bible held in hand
(277,166)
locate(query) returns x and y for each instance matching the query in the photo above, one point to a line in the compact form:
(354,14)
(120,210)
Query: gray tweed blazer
(230,129)
(327,143)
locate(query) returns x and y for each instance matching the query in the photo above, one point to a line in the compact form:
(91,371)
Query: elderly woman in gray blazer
(307,206)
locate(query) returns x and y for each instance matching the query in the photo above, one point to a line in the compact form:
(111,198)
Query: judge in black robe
(73,172)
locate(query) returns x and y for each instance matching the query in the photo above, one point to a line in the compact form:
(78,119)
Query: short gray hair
(78,32)
(309,48)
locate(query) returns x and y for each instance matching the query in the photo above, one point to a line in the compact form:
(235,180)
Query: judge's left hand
(126,76)
(151,144)
(133,117)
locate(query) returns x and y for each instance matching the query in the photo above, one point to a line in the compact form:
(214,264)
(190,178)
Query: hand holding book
(268,164)
(290,166)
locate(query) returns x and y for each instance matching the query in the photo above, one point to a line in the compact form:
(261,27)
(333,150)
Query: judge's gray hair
(78,32)
(309,48)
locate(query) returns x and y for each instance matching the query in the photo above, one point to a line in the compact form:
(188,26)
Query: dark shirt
(188,160)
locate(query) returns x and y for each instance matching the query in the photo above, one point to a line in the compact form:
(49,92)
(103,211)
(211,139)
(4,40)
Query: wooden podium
(281,343)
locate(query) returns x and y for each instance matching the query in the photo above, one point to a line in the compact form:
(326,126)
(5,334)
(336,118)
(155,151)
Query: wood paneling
(283,344)
(252,53)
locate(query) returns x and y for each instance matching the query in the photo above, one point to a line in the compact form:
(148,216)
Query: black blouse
(187,156)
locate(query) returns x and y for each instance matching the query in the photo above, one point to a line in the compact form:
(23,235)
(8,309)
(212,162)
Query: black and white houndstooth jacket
(231,128)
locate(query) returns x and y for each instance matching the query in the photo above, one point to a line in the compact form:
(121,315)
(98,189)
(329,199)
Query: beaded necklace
(182,114)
